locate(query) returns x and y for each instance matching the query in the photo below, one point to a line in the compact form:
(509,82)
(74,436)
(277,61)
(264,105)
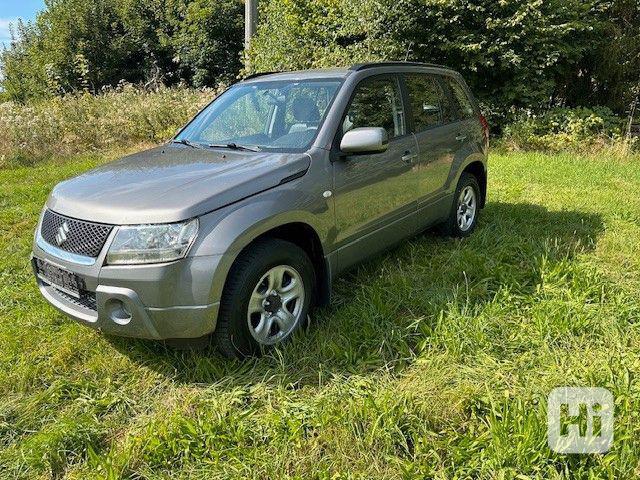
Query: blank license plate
(67,281)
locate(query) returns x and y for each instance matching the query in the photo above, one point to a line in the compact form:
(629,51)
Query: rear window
(462,108)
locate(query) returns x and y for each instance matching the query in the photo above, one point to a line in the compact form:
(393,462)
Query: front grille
(87,299)
(79,237)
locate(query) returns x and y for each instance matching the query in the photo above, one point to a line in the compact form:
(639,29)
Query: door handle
(461,137)
(408,157)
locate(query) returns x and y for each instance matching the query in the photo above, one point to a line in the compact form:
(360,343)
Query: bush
(76,123)
(565,129)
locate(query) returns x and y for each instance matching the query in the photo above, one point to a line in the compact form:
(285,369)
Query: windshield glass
(276,115)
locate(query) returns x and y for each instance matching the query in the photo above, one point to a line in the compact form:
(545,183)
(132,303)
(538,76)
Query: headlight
(152,243)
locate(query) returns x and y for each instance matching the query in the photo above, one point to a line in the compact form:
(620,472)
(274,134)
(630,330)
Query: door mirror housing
(430,109)
(365,140)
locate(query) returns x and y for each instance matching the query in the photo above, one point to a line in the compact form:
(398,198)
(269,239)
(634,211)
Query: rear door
(375,199)
(464,114)
(433,131)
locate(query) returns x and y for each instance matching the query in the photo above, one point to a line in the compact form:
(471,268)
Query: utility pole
(250,26)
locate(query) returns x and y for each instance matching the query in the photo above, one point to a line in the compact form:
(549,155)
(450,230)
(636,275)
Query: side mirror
(365,140)
(430,109)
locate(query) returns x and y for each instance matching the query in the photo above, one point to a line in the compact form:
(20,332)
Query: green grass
(435,359)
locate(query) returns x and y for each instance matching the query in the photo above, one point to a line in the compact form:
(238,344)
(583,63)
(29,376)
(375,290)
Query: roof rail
(259,74)
(363,66)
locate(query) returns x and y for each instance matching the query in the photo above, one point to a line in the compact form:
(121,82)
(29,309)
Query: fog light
(118,311)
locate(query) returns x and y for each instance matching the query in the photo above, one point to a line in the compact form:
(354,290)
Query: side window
(462,107)
(377,103)
(427,101)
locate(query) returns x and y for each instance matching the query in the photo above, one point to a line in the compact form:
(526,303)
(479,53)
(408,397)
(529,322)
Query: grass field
(435,359)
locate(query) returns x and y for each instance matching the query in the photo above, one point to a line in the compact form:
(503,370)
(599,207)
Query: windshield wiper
(188,143)
(235,146)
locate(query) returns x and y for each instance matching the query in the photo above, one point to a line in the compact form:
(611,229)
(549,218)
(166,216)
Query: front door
(375,194)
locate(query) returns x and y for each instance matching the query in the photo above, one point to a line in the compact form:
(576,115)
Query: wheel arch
(478,170)
(304,236)
(236,233)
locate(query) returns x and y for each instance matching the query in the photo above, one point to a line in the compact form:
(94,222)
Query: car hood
(172,183)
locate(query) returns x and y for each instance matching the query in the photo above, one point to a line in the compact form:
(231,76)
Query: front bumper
(154,301)
(135,320)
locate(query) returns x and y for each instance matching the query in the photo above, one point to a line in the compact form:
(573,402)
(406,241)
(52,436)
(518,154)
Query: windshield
(275,115)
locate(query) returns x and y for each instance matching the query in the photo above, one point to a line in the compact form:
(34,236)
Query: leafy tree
(610,74)
(22,76)
(515,54)
(76,45)
(87,45)
(209,41)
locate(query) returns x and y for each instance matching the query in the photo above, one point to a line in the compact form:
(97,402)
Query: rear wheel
(463,216)
(266,298)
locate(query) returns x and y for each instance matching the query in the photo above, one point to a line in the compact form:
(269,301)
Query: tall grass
(124,117)
(79,123)
(585,131)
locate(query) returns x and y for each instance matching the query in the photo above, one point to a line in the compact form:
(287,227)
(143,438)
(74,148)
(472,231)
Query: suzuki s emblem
(61,236)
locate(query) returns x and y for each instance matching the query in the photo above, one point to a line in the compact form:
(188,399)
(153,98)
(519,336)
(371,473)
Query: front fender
(225,233)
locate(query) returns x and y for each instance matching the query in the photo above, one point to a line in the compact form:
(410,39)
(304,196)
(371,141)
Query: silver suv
(240,224)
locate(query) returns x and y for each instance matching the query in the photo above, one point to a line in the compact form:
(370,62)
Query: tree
(517,54)
(209,41)
(76,45)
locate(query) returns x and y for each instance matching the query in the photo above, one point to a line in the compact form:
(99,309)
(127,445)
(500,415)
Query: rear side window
(462,107)
(377,102)
(427,101)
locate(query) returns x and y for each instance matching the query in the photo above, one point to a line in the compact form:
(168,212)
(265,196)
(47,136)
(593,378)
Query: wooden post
(250,26)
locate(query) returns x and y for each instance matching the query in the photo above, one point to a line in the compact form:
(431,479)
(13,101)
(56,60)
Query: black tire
(232,335)
(450,226)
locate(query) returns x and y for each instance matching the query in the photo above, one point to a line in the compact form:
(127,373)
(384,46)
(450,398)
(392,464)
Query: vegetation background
(550,75)
(435,360)
(515,54)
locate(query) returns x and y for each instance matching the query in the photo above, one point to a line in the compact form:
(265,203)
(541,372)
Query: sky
(11,10)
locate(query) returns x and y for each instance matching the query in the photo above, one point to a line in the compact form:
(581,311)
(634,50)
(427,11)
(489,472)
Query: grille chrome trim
(63,254)
(80,240)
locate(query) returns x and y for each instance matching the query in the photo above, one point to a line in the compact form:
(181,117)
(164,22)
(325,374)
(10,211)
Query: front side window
(462,107)
(427,101)
(278,115)
(377,102)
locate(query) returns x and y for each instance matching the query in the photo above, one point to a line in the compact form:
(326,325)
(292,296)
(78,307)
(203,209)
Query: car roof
(339,73)
(300,74)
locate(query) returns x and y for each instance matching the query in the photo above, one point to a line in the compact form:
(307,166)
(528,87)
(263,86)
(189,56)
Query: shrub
(74,123)
(578,129)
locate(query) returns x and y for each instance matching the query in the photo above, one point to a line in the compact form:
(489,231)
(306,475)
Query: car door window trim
(396,77)
(447,96)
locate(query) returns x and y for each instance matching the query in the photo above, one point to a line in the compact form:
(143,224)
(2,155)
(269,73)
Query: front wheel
(266,298)
(463,216)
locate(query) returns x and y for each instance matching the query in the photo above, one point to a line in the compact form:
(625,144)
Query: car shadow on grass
(384,311)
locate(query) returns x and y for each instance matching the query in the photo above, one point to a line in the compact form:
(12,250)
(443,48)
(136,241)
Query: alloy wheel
(276,305)
(467,208)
